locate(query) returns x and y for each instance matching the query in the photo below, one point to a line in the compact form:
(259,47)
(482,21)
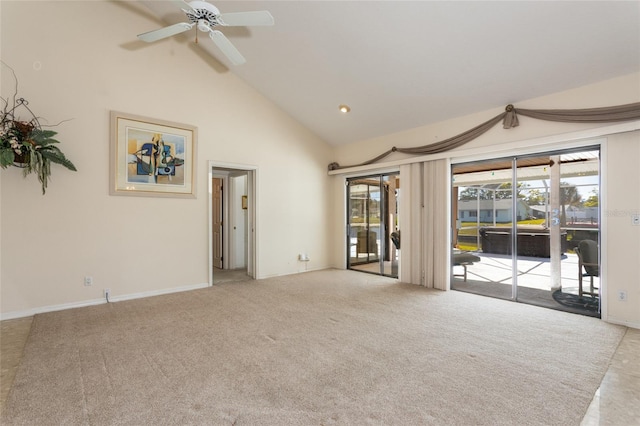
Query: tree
(592,200)
(569,196)
(504,192)
(535,198)
(471,193)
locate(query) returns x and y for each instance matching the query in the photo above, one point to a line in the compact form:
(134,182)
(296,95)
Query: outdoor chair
(464,259)
(587,252)
(395,239)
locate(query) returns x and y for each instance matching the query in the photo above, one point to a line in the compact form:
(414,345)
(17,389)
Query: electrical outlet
(622,296)
(88,281)
(303,257)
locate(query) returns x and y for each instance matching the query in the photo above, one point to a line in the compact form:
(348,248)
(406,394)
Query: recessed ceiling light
(344,108)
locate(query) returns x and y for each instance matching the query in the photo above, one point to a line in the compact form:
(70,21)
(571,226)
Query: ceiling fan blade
(165,32)
(241,19)
(227,48)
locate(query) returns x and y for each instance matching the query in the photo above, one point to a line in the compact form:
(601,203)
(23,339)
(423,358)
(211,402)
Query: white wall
(79,61)
(621,249)
(621,174)
(617,91)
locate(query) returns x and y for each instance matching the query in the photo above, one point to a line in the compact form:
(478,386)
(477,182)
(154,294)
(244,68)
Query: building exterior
(487,210)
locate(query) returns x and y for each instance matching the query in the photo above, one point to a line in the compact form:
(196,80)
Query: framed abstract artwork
(151,157)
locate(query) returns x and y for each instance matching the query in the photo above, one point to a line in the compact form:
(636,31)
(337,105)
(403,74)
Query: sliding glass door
(484,212)
(539,247)
(519,226)
(371,220)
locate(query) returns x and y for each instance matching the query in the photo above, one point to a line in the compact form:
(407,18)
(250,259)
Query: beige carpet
(321,348)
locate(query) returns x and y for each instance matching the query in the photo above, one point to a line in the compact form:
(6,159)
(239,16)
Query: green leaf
(6,157)
(43,137)
(54,155)
(46,142)
(43,134)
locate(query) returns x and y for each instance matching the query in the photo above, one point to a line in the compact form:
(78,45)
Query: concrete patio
(492,276)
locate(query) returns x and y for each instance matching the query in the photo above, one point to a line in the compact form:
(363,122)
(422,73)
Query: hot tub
(532,241)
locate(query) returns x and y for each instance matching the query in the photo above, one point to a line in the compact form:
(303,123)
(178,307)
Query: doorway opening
(372,220)
(232,222)
(523,226)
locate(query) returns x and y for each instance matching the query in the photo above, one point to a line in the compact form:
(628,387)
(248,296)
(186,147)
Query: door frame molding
(218,168)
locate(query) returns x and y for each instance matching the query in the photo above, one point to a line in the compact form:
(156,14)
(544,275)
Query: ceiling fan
(205,17)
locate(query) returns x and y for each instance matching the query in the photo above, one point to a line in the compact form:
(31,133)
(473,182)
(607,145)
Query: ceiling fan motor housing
(203,11)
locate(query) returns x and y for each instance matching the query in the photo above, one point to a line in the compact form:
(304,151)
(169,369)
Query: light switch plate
(635,219)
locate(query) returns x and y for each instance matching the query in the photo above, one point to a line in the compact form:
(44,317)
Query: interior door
(217,218)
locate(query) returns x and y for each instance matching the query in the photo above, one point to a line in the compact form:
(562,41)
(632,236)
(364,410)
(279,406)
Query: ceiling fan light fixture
(345,109)
(204,26)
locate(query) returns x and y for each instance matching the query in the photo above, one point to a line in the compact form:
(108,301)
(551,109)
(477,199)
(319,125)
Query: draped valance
(509,119)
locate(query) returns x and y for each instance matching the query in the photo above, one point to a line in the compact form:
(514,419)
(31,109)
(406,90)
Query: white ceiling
(404,64)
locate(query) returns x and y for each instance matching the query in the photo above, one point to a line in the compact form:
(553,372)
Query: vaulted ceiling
(404,64)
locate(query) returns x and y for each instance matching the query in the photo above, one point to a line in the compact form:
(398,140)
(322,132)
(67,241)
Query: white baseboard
(631,324)
(320,268)
(91,302)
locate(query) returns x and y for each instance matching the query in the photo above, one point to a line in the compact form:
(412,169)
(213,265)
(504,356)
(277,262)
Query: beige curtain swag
(509,119)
